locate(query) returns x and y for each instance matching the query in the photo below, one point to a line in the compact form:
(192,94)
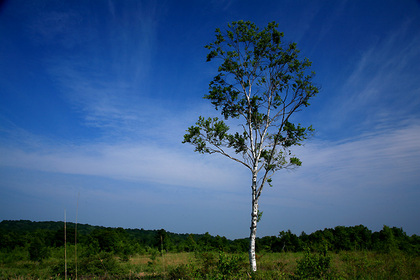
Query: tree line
(38,237)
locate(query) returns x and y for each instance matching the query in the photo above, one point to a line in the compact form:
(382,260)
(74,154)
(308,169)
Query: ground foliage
(30,250)
(40,236)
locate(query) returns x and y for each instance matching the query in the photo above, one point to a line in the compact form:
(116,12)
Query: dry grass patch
(167,259)
(140,259)
(177,258)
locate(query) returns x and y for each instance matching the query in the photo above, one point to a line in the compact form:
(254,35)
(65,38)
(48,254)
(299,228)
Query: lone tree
(261,81)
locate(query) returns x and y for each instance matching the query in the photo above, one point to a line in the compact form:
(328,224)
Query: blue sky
(95,97)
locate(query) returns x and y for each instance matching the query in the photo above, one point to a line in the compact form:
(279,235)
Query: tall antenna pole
(75,234)
(65,246)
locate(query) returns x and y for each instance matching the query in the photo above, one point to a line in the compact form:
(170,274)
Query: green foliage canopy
(262,81)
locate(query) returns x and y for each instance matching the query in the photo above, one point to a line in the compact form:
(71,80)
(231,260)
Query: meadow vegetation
(35,250)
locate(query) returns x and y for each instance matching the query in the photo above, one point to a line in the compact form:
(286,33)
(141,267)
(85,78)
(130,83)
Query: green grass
(210,265)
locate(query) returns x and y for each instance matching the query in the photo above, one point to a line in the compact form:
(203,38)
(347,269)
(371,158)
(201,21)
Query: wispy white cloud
(364,167)
(105,81)
(105,76)
(373,179)
(369,163)
(140,162)
(384,84)
(314,12)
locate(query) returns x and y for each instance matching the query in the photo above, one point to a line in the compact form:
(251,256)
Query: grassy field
(214,265)
(343,265)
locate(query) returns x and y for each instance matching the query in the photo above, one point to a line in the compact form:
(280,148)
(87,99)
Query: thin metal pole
(65,246)
(75,234)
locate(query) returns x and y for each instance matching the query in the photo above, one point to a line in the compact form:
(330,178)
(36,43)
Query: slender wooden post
(65,246)
(75,234)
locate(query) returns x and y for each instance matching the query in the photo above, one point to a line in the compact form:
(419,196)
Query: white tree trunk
(253,235)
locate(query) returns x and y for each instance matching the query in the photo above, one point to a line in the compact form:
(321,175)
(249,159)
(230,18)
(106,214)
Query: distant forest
(36,236)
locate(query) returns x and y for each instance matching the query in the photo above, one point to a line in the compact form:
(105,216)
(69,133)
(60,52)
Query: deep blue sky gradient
(95,97)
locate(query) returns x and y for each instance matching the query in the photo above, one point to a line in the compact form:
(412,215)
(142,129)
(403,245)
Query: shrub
(229,266)
(184,272)
(208,267)
(102,264)
(37,250)
(206,261)
(313,266)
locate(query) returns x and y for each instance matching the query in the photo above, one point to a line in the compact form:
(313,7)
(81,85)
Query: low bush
(313,266)
(207,266)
